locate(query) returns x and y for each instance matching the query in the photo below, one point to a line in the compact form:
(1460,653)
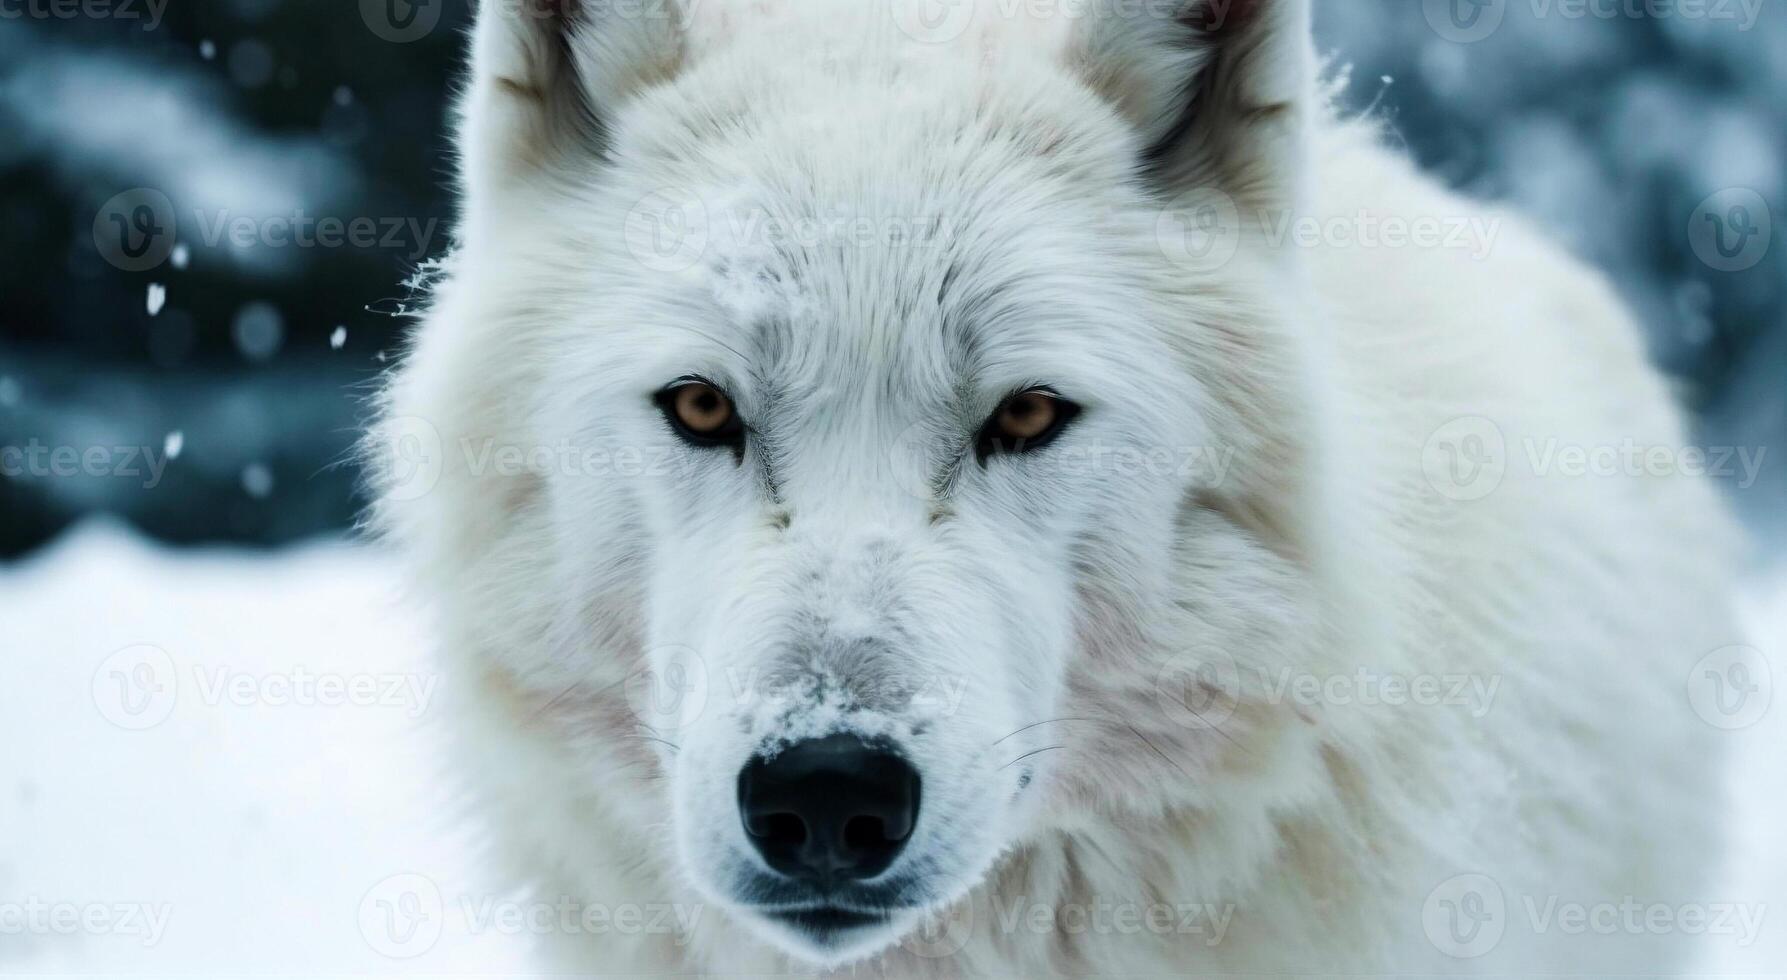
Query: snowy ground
(218,764)
(264,820)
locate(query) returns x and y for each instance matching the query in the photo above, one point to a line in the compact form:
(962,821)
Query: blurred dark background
(208,209)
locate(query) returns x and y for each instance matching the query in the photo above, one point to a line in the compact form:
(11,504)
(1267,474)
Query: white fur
(855,573)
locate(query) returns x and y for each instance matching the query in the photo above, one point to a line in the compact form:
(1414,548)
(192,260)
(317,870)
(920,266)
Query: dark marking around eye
(1025,422)
(702,414)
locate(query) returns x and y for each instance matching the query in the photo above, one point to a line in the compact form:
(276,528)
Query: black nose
(829,809)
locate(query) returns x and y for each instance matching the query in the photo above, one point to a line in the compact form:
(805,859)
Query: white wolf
(1007,489)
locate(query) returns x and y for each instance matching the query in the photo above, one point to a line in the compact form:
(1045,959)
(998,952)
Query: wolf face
(887,537)
(901,404)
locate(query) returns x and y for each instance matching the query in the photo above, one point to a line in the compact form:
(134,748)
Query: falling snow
(259,331)
(257,481)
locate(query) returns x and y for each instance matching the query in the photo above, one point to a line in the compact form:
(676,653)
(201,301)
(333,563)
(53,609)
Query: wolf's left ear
(1220,90)
(545,74)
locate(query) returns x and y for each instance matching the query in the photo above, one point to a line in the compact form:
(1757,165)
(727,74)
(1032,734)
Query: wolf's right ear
(544,76)
(1220,91)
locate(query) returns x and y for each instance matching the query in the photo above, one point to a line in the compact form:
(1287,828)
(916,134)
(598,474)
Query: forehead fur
(860,196)
(849,83)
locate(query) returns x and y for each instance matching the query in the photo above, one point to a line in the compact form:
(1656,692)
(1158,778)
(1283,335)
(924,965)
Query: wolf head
(910,440)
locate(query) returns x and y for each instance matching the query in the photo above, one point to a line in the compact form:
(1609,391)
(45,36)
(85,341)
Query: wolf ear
(1219,90)
(544,76)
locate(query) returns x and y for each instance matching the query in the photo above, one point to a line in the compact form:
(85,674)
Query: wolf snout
(829,810)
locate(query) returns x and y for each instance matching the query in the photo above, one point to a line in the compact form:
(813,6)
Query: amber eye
(1024,422)
(701,413)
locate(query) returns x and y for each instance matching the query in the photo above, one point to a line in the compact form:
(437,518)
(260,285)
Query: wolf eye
(1027,421)
(701,413)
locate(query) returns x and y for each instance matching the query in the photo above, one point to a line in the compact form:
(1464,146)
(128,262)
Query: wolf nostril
(865,832)
(828,808)
(869,832)
(782,827)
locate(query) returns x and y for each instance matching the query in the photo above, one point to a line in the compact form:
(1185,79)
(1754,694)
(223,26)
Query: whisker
(1156,748)
(574,685)
(1027,755)
(1128,727)
(1051,721)
(1215,728)
(653,738)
